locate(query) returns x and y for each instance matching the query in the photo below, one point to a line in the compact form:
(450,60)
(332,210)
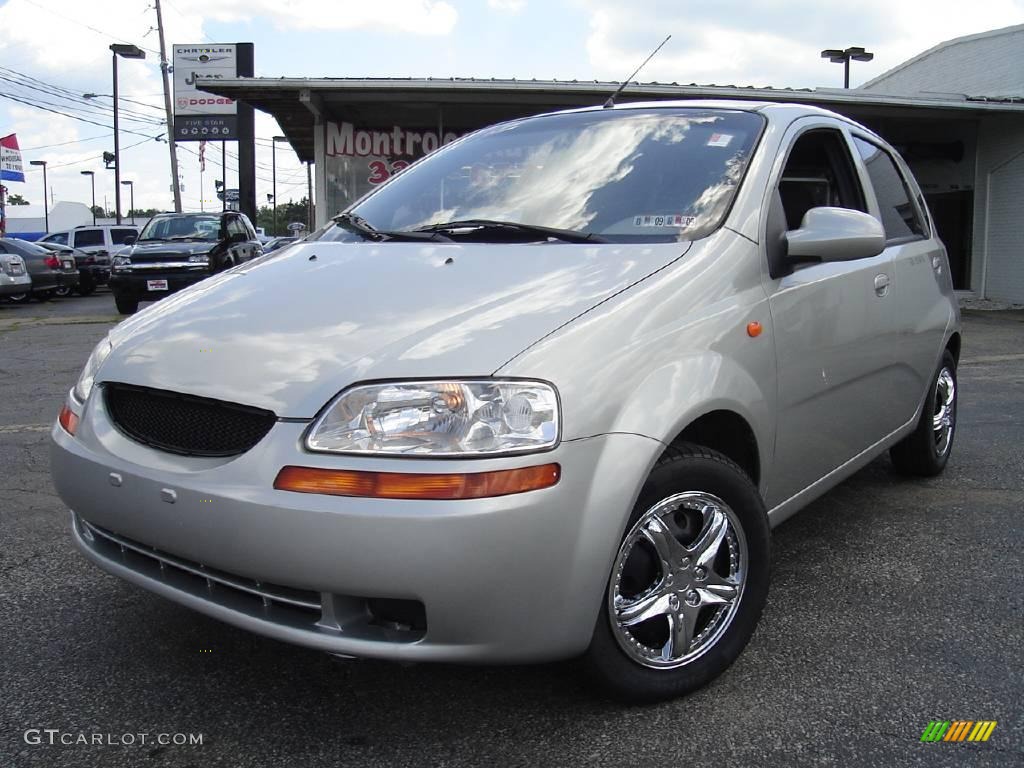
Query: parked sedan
(548,407)
(48,271)
(14,277)
(93,268)
(278,243)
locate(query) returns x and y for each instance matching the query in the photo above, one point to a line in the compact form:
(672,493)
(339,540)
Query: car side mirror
(129,240)
(835,234)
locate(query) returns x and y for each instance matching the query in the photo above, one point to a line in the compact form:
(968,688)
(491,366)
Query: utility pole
(175,185)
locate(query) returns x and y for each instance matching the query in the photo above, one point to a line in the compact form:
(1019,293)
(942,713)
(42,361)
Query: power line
(80,102)
(65,143)
(86,26)
(90,158)
(66,114)
(36,101)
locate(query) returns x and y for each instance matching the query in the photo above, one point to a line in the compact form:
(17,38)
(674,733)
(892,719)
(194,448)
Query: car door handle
(881,284)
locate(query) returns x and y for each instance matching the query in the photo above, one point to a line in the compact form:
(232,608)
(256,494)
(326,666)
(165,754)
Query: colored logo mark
(958,730)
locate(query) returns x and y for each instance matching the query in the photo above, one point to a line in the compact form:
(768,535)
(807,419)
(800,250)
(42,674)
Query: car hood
(161,247)
(287,331)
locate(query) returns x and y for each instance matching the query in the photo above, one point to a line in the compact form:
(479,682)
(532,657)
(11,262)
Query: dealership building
(955,112)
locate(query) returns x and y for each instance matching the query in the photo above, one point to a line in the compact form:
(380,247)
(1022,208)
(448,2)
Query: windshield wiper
(360,226)
(566,235)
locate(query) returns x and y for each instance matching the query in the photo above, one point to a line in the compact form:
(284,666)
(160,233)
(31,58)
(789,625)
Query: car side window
(235,226)
(88,237)
(118,235)
(60,239)
(900,218)
(819,172)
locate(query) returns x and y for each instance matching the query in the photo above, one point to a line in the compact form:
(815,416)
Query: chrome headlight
(120,262)
(92,367)
(440,418)
(200,259)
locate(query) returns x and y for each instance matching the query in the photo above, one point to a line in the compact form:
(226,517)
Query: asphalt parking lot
(894,603)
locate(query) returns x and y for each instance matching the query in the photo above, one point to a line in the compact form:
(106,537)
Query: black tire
(125,305)
(86,290)
(62,292)
(925,451)
(19,298)
(688,468)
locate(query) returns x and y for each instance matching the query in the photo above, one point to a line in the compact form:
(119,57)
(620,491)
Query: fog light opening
(399,615)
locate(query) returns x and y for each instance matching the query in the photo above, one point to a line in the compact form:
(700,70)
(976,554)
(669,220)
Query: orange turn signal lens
(68,420)
(403,485)
(754,329)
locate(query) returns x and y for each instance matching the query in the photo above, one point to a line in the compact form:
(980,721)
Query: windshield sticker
(664,221)
(720,140)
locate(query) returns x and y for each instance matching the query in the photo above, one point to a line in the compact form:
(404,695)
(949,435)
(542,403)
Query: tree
(286,214)
(16,199)
(143,213)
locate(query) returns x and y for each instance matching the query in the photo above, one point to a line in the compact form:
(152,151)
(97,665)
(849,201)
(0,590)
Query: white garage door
(1005,274)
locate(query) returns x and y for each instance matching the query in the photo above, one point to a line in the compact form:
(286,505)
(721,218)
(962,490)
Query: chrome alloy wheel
(677,580)
(944,418)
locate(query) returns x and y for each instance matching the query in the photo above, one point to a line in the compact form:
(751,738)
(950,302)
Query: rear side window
(87,237)
(899,215)
(117,236)
(60,239)
(235,226)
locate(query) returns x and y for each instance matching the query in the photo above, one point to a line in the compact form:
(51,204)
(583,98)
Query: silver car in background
(543,394)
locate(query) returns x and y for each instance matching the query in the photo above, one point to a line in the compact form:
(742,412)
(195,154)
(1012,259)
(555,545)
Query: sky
(64,43)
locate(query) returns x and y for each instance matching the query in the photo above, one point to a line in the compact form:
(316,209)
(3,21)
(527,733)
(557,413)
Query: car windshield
(624,175)
(196,226)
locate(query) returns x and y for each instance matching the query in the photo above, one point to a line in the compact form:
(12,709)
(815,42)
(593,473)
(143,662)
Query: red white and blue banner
(10,159)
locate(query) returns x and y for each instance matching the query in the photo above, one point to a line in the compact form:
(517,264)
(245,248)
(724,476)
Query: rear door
(832,321)
(921,313)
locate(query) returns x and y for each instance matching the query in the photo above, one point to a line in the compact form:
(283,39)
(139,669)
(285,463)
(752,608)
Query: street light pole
(46,202)
(92,176)
(131,198)
(844,56)
(128,52)
(273,176)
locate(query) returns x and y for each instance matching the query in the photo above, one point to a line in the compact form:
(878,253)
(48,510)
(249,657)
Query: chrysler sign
(198,115)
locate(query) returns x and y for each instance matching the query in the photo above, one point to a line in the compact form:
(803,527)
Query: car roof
(97,226)
(784,111)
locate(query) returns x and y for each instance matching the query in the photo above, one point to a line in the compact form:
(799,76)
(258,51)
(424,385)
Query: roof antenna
(622,87)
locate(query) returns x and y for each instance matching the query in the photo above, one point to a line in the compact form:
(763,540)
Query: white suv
(100,237)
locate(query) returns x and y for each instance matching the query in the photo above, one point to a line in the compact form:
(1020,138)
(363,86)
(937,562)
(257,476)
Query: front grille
(233,591)
(314,613)
(185,424)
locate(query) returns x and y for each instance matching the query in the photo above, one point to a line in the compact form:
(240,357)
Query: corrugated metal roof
(231,86)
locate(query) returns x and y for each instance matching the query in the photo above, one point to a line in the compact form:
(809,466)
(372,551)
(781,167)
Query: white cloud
(511,6)
(418,17)
(767,42)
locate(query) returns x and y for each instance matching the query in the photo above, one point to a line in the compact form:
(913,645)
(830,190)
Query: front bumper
(507,579)
(133,284)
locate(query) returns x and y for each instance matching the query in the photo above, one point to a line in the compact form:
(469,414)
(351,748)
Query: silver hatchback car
(543,394)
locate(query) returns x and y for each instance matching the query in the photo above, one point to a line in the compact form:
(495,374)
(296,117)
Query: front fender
(675,347)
